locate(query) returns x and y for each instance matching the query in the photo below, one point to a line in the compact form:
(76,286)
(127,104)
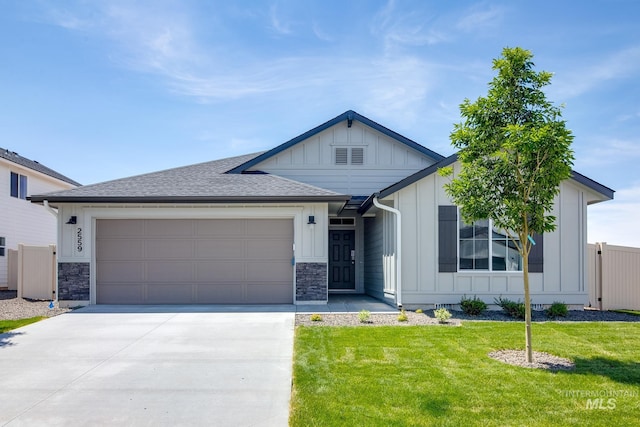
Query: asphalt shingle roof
(34,165)
(204,182)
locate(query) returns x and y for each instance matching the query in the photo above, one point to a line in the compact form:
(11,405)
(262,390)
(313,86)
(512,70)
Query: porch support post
(396,212)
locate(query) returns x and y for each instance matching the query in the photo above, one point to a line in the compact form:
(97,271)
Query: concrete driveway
(152,365)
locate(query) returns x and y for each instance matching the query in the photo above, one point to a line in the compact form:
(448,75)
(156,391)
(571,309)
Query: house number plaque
(79,239)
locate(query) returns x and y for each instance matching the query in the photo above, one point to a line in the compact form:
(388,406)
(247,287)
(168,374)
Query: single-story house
(22,222)
(347,207)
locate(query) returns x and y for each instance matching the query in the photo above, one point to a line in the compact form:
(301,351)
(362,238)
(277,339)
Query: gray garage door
(199,261)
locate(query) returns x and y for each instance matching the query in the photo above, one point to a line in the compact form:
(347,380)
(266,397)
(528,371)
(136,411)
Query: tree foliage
(514,151)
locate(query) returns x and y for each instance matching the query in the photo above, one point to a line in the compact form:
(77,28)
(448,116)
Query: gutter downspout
(49,208)
(396,212)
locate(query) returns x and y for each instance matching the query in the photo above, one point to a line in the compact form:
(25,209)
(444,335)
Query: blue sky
(105,89)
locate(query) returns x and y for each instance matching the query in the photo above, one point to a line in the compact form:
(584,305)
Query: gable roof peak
(349,116)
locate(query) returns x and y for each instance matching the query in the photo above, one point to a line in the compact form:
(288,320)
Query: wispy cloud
(623,212)
(587,76)
(277,23)
(321,34)
(159,41)
(398,87)
(398,27)
(164,44)
(607,151)
(480,17)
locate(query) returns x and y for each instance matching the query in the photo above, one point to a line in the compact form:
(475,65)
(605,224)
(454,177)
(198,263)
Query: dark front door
(342,266)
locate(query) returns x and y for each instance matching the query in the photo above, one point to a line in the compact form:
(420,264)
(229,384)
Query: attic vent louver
(357,156)
(341,156)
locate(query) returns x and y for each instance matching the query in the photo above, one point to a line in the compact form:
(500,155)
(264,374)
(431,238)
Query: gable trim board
(347,116)
(606,192)
(238,189)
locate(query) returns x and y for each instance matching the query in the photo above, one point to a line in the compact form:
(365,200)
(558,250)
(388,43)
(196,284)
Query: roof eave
(603,190)
(593,185)
(187,200)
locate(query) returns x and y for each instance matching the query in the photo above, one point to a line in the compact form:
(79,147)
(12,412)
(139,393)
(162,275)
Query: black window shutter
(536,259)
(447,239)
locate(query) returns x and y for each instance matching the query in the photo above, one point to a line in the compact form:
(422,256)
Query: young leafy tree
(514,151)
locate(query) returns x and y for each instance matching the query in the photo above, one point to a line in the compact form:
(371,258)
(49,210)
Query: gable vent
(357,156)
(341,156)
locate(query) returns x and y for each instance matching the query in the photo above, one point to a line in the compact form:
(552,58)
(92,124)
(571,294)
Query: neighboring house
(318,214)
(21,221)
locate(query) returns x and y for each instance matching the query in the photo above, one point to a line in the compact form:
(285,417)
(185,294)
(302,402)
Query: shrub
(472,307)
(419,311)
(316,317)
(364,316)
(514,309)
(557,309)
(442,314)
(402,317)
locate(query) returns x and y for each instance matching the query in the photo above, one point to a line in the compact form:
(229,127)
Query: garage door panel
(206,261)
(117,249)
(221,228)
(261,294)
(269,249)
(169,293)
(221,294)
(169,227)
(273,272)
(174,271)
(169,248)
(109,293)
(120,272)
(269,227)
(220,249)
(221,272)
(118,228)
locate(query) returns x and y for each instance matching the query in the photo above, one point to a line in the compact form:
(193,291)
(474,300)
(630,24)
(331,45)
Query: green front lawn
(438,375)
(7,325)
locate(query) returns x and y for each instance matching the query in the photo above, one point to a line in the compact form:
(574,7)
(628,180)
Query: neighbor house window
(18,186)
(484,247)
(2,245)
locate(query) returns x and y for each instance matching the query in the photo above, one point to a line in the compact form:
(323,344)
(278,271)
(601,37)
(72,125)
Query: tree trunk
(527,310)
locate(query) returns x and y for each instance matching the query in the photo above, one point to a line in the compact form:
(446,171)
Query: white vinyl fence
(34,272)
(12,264)
(614,277)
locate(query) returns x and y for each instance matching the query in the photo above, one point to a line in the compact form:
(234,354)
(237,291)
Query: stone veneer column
(73,281)
(311,282)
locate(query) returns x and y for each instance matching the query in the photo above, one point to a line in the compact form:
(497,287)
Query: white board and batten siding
(383,161)
(564,276)
(23,222)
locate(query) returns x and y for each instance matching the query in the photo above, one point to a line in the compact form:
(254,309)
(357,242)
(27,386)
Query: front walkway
(347,303)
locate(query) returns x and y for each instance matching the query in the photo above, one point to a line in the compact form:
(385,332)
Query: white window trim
(489,270)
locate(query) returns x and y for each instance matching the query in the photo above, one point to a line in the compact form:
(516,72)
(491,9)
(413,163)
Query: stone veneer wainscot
(311,281)
(73,281)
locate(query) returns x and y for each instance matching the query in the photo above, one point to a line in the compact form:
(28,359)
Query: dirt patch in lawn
(541,360)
